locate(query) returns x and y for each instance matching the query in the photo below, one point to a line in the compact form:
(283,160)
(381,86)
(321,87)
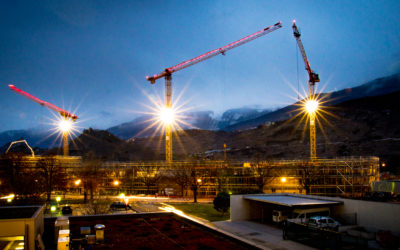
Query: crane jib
(62,112)
(215,52)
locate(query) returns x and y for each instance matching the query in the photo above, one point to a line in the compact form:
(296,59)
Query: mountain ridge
(231,120)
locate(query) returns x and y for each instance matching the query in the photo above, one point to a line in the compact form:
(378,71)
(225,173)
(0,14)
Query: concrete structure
(21,227)
(374,216)
(387,186)
(348,177)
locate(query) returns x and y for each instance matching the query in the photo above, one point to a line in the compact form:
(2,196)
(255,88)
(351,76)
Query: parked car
(66,210)
(302,215)
(118,205)
(279,215)
(323,222)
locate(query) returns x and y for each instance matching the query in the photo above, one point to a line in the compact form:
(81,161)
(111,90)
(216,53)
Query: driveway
(264,236)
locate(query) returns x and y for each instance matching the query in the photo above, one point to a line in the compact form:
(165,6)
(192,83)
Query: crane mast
(312,79)
(167,74)
(65,114)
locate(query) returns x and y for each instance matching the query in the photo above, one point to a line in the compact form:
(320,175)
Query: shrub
(222,202)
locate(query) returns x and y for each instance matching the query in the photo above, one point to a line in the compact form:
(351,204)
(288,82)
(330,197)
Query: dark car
(66,210)
(119,205)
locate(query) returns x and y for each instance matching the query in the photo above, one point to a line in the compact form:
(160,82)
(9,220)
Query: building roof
(292,200)
(152,231)
(18,212)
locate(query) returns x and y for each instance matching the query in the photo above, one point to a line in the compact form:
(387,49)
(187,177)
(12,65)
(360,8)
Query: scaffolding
(350,177)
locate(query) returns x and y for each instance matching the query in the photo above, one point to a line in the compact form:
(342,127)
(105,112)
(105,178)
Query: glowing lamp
(199,180)
(53,208)
(65,125)
(116,183)
(167,115)
(58,199)
(77,182)
(122,196)
(283,179)
(311,106)
(9,200)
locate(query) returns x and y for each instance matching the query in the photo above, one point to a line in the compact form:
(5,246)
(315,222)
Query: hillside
(361,127)
(107,146)
(376,87)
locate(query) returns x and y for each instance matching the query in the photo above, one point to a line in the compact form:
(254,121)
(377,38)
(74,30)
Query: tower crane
(65,114)
(167,74)
(312,79)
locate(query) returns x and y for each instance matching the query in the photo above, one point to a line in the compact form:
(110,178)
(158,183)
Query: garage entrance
(262,206)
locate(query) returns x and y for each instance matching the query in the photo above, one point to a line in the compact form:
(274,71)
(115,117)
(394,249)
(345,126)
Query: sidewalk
(264,236)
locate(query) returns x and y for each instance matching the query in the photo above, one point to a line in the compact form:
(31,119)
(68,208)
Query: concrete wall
(372,215)
(240,208)
(16,227)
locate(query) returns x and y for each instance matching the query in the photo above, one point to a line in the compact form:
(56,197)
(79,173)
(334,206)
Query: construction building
(350,177)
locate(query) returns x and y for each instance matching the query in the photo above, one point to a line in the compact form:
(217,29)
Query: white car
(324,222)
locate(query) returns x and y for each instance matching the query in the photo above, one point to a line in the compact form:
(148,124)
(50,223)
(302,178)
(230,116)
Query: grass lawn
(202,210)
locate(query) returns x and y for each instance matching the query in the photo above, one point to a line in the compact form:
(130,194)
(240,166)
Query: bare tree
(10,167)
(181,176)
(98,206)
(149,176)
(222,176)
(54,176)
(263,173)
(198,178)
(308,175)
(91,175)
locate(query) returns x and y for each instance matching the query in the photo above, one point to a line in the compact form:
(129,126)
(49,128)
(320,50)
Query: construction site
(346,177)
(351,176)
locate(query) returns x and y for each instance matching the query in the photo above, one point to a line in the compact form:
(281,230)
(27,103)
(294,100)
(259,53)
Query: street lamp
(116,183)
(283,180)
(199,180)
(77,182)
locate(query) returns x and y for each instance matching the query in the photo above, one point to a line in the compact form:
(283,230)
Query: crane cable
(297,67)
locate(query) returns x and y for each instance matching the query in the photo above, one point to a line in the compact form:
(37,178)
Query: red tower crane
(65,114)
(312,79)
(167,74)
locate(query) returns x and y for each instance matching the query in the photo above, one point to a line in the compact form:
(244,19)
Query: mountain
(376,87)
(141,126)
(37,137)
(231,120)
(365,126)
(107,146)
(134,128)
(235,116)
(147,125)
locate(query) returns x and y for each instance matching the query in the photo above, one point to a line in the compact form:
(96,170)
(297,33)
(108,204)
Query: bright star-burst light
(59,127)
(311,105)
(307,106)
(65,125)
(161,118)
(167,115)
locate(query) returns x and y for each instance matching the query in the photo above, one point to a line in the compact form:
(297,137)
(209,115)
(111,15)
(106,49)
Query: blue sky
(91,57)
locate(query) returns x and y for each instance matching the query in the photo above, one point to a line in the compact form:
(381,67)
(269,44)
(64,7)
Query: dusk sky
(91,57)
